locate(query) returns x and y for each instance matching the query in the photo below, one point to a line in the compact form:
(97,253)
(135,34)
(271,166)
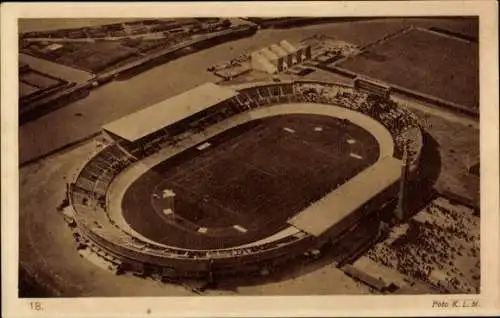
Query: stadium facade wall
(134,261)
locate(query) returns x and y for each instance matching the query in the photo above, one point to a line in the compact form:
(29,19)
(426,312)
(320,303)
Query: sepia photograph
(204,156)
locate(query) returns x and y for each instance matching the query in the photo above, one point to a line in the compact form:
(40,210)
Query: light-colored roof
(54,46)
(337,205)
(275,51)
(270,55)
(153,118)
(287,46)
(278,50)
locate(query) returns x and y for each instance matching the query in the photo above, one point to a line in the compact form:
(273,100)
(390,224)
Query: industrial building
(279,57)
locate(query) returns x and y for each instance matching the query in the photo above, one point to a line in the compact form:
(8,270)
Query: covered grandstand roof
(153,118)
(352,195)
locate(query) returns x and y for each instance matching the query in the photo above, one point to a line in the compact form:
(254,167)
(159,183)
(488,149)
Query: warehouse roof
(153,118)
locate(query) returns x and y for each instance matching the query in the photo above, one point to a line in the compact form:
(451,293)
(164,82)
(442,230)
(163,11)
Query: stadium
(229,180)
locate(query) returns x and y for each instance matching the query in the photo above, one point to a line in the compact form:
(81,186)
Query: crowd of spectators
(398,120)
(90,188)
(430,250)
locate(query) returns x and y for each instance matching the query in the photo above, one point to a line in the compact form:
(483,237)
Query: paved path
(433,110)
(389,275)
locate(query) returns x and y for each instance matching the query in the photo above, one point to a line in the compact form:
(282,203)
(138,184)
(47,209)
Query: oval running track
(122,181)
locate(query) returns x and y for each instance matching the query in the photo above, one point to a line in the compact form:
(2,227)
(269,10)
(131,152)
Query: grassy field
(425,62)
(468,26)
(94,57)
(256,179)
(99,56)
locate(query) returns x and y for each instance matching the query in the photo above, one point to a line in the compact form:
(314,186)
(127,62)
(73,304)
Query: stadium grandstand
(197,108)
(373,87)
(191,104)
(182,122)
(346,205)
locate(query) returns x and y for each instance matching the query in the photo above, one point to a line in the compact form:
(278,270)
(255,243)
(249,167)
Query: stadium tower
(402,209)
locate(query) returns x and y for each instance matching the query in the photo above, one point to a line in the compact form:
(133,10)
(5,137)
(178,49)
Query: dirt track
(277,174)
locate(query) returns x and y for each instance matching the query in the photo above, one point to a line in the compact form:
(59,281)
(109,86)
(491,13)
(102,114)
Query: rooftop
(352,195)
(167,112)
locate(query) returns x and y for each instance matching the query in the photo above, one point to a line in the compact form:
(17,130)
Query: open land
(89,57)
(454,139)
(425,62)
(458,146)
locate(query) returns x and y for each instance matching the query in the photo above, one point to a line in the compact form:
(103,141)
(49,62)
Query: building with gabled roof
(279,57)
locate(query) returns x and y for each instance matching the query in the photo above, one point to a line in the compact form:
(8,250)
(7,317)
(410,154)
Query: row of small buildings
(279,57)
